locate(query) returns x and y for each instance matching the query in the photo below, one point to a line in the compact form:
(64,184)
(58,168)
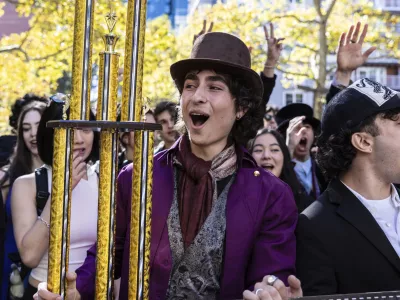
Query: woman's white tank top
(83,228)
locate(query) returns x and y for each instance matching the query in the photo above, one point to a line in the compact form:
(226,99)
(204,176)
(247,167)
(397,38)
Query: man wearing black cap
(349,240)
(297,123)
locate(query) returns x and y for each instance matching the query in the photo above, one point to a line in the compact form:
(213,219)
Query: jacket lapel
(352,210)
(163,179)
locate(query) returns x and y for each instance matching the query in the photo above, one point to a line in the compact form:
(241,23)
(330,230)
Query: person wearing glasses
(31,225)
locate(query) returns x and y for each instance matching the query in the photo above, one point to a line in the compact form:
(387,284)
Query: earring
(237,118)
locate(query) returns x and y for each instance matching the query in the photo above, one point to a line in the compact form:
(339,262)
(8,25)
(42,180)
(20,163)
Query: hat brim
(314,122)
(179,70)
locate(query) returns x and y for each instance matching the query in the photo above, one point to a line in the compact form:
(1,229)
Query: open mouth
(199,119)
(79,152)
(268,167)
(303,141)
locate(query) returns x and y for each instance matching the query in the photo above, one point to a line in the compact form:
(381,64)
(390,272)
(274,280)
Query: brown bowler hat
(220,52)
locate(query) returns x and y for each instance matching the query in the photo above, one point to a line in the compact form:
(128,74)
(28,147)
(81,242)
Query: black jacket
(341,249)
(269,84)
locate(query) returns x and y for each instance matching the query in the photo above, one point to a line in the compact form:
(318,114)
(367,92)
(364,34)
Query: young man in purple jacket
(219,222)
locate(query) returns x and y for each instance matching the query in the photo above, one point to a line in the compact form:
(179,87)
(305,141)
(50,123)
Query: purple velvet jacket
(261,217)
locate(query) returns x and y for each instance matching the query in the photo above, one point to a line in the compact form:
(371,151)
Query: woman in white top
(32,231)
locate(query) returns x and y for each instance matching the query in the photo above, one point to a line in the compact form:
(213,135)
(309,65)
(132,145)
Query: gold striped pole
(82,59)
(59,212)
(63,145)
(132,109)
(107,111)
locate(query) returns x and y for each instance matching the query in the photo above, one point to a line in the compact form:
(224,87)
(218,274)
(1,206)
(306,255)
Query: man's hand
(203,31)
(278,291)
(71,292)
(273,52)
(293,133)
(349,53)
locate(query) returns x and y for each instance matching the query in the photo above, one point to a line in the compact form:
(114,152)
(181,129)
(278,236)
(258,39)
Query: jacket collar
(353,211)
(245,159)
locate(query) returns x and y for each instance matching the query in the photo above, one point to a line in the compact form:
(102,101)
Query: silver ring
(271,280)
(258,290)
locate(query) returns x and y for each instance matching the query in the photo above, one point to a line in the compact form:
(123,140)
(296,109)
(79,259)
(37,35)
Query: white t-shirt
(386,213)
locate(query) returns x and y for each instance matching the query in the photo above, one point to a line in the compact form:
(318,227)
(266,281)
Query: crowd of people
(249,201)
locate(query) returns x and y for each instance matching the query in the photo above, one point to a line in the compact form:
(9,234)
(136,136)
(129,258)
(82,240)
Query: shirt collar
(394,195)
(306,166)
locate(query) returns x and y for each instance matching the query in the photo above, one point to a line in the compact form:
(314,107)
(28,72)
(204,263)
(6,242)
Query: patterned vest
(196,272)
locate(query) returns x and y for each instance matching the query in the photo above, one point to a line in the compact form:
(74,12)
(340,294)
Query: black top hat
(221,52)
(291,111)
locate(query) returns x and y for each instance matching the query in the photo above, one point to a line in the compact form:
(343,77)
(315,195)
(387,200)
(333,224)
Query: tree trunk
(322,53)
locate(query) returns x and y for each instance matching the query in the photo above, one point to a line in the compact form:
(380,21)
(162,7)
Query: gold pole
(132,104)
(63,143)
(146,292)
(131,108)
(82,59)
(107,111)
(106,216)
(60,211)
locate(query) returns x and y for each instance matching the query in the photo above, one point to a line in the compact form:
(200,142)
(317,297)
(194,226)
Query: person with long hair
(220,223)
(31,228)
(24,161)
(271,153)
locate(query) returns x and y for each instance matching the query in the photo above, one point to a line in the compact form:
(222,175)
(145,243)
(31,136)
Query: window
(289,99)
(299,98)
(293,97)
(363,74)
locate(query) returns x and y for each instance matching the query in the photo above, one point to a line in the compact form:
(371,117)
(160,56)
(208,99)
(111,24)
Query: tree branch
(329,11)
(51,55)
(14,48)
(293,73)
(310,89)
(317,4)
(305,47)
(294,17)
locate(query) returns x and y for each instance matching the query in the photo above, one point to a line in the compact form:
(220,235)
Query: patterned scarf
(197,188)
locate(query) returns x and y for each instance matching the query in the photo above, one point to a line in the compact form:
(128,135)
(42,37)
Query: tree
(39,60)
(311,34)
(34,61)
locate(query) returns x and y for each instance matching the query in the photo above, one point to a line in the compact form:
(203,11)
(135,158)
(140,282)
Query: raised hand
(203,31)
(349,53)
(274,50)
(294,133)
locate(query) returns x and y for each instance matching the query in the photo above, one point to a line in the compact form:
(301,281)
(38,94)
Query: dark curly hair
(246,128)
(16,108)
(336,153)
(165,105)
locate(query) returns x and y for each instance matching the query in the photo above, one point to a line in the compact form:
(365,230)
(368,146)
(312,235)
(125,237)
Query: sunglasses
(268,117)
(59,98)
